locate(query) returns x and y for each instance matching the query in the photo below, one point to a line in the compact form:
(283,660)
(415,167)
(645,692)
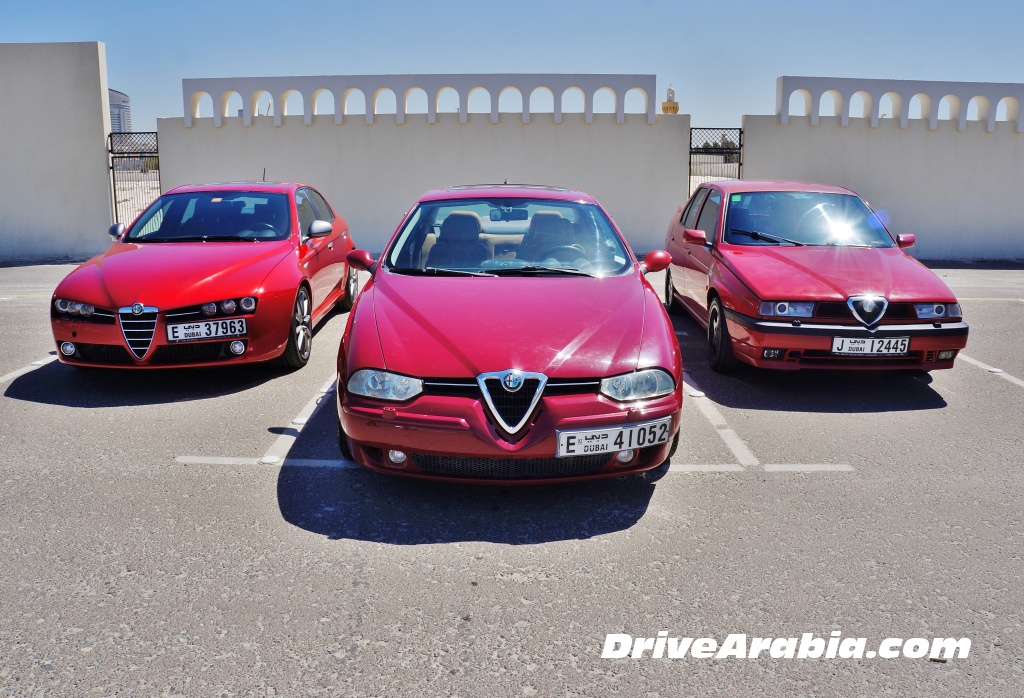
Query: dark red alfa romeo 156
(507,334)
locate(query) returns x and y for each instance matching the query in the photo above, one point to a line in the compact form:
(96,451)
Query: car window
(503,236)
(690,216)
(305,210)
(323,211)
(213,215)
(709,214)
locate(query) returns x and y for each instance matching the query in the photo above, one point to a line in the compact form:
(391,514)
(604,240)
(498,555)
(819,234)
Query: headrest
(547,222)
(460,226)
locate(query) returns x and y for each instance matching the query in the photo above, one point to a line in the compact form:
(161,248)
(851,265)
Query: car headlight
(935,311)
(383,385)
(786,308)
(641,385)
(66,307)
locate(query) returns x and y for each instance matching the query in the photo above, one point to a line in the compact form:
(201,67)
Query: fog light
(624,456)
(67,348)
(236,347)
(227,306)
(773,353)
(946,354)
(247,304)
(209,309)
(397,457)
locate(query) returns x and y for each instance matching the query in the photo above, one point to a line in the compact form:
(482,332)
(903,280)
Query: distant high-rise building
(120,111)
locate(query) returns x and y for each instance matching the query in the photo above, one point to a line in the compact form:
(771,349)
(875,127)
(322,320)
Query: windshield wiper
(533,269)
(437,271)
(196,238)
(765,236)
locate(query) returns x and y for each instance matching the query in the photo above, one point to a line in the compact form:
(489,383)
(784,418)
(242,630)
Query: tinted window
(213,215)
(690,216)
(323,211)
(305,210)
(709,214)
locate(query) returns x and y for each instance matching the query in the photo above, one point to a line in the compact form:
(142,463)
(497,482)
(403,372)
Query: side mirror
(319,229)
(695,237)
(905,241)
(360,259)
(656,260)
(116,230)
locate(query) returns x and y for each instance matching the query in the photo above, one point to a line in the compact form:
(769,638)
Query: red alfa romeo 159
(791,275)
(507,334)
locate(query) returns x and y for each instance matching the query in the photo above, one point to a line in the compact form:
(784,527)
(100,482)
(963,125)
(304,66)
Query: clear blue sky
(722,58)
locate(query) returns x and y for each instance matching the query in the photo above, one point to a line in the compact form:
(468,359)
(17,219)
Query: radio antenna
(264,175)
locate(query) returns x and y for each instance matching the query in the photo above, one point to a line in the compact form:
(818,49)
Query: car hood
(571,327)
(835,273)
(166,275)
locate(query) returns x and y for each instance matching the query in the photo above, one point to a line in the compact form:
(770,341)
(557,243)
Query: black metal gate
(715,153)
(134,173)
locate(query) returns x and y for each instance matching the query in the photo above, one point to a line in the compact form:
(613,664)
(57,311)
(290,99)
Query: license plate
(585,442)
(871,346)
(207,329)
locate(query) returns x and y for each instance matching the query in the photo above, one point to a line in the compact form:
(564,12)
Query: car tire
(346,452)
(351,289)
(720,356)
(671,304)
(300,332)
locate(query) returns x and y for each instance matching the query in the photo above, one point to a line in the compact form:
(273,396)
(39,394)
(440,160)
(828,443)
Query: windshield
(508,237)
(213,216)
(803,218)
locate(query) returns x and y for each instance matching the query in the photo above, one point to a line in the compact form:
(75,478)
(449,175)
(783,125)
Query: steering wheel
(563,253)
(259,230)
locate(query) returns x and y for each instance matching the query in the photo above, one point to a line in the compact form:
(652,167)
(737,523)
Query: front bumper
(455,439)
(809,345)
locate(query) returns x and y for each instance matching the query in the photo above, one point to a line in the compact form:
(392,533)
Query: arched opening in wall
(860,105)
(478,101)
(323,101)
(510,101)
(635,101)
(384,101)
(448,101)
(353,101)
(542,101)
(573,101)
(977,109)
(800,103)
(1008,109)
(830,104)
(920,107)
(261,103)
(605,101)
(949,107)
(231,104)
(292,101)
(890,106)
(202,105)
(416,101)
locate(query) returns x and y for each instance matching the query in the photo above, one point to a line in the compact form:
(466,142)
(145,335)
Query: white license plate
(872,346)
(585,442)
(206,329)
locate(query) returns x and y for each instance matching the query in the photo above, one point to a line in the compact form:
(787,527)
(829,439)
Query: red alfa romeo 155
(791,275)
(507,334)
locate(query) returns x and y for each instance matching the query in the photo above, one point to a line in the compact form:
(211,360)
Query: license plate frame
(587,442)
(870,346)
(203,330)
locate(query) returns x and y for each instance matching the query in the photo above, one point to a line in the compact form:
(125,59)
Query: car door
(698,257)
(686,217)
(337,244)
(313,252)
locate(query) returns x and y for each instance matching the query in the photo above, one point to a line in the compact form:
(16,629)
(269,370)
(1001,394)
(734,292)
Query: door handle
(330,245)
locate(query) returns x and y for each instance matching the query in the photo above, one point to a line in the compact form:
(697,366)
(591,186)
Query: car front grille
(512,407)
(511,468)
(138,330)
(817,357)
(110,354)
(840,312)
(192,353)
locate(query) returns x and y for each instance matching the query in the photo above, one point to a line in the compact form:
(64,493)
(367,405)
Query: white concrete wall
(372,173)
(54,181)
(958,190)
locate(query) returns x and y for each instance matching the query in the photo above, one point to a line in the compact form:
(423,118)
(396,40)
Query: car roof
(491,191)
(269,187)
(731,186)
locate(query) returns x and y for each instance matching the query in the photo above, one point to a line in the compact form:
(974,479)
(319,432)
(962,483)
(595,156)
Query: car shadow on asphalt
(806,390)
(352,503)
(70,386)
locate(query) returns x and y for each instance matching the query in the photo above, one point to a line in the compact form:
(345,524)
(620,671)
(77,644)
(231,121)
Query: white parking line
(713,468)
(335,463)
(808,468)
(997,371)
(730,437)
(28,369)
(279,451)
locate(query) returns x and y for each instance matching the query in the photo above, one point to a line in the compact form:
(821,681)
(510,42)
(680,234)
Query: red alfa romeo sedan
(790,275)
(209,275)
(507,335)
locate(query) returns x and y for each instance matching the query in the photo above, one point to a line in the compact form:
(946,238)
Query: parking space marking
(334,463)
(730,437)
(997,371)
(279,451)
(28,369)
(808,468)
(713,468)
